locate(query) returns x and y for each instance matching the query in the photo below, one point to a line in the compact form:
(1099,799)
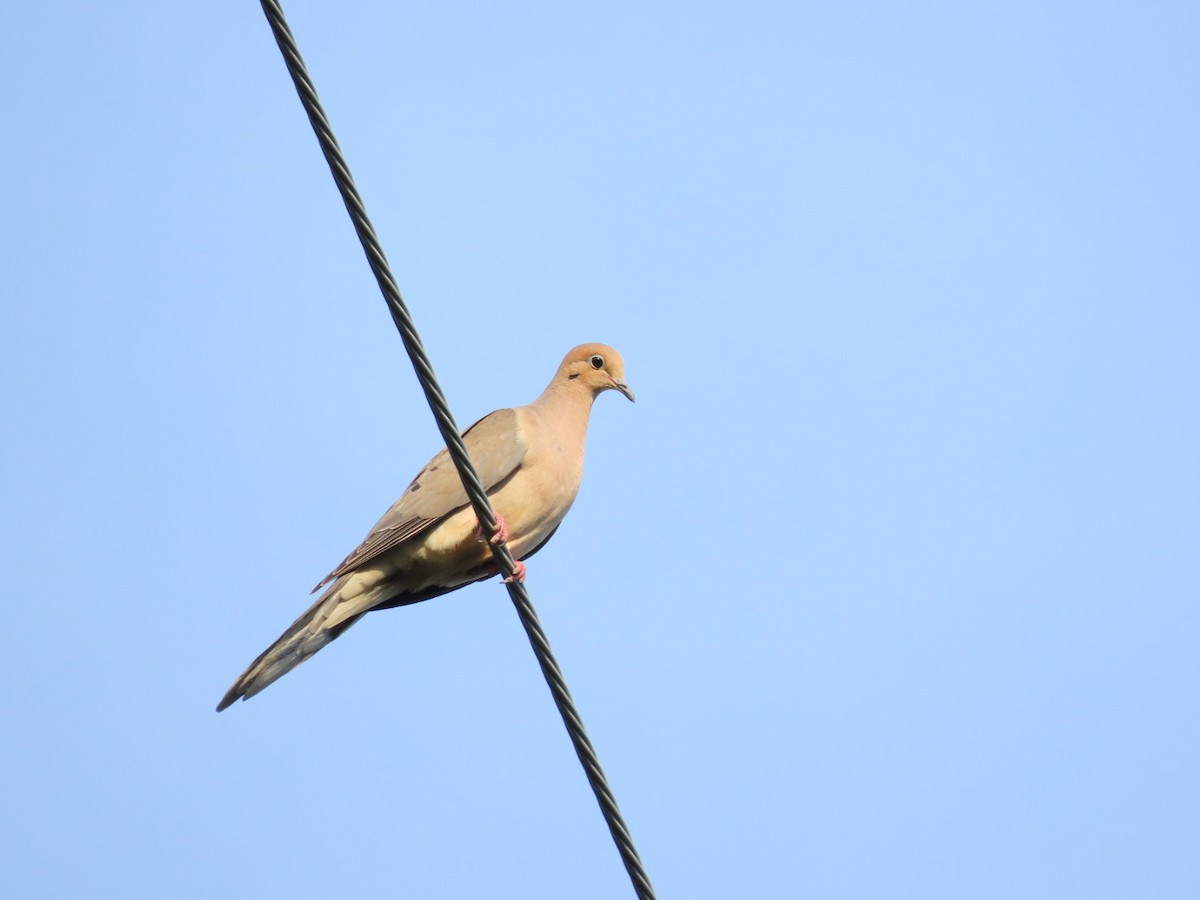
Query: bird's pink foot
(518,574)
(500,535)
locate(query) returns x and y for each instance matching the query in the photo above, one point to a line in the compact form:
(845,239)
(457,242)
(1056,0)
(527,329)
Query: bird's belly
(456,552)
(532,511)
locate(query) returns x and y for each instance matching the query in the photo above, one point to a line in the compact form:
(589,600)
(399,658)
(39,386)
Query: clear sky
(888,585)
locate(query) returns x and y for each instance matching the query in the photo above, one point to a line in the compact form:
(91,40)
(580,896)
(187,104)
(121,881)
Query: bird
(429,543)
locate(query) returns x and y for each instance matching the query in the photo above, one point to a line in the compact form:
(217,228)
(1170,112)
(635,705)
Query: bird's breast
(535,500)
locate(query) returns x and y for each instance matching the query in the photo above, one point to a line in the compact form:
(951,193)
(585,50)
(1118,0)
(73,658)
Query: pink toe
(518,574)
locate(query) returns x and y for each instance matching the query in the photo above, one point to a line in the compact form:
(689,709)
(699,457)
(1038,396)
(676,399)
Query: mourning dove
(530,462)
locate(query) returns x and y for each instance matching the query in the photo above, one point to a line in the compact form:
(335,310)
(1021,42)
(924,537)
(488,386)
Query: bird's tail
(306,636)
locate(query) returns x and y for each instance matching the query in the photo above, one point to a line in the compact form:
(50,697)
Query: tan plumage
(530,462)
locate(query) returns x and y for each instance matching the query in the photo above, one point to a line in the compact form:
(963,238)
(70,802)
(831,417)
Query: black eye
(597,362)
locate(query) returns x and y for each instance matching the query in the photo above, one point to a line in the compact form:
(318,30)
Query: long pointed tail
(306,636)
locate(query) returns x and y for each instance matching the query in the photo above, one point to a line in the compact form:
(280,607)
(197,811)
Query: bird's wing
(497,448)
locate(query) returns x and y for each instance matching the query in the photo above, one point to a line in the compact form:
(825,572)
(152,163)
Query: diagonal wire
(458,452)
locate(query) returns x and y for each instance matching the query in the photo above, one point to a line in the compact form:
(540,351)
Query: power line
(458,453)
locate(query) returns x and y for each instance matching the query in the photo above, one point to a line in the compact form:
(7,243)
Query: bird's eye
(597,362)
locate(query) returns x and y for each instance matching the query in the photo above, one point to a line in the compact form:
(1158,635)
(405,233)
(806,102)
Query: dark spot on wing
(416,487)
(433,468)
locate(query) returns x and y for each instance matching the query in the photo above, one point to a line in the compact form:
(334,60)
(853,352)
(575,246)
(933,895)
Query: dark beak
(623,388)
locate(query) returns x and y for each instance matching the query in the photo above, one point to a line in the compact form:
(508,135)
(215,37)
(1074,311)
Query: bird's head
(597,367)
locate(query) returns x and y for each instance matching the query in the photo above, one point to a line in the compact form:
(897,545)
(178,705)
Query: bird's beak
(623,388)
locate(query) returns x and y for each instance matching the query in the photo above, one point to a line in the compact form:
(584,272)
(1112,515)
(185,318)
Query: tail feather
(344,602)
(306,636)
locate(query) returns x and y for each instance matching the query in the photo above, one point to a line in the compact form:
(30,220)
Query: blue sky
(886,587)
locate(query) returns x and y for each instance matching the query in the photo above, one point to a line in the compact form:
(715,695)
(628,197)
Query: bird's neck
(567,403)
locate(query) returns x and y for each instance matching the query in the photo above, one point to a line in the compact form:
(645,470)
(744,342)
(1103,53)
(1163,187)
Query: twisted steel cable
(458,452)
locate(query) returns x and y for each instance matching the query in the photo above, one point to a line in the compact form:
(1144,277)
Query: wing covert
(497,449)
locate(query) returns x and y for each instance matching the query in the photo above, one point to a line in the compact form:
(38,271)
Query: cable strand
(454,444)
